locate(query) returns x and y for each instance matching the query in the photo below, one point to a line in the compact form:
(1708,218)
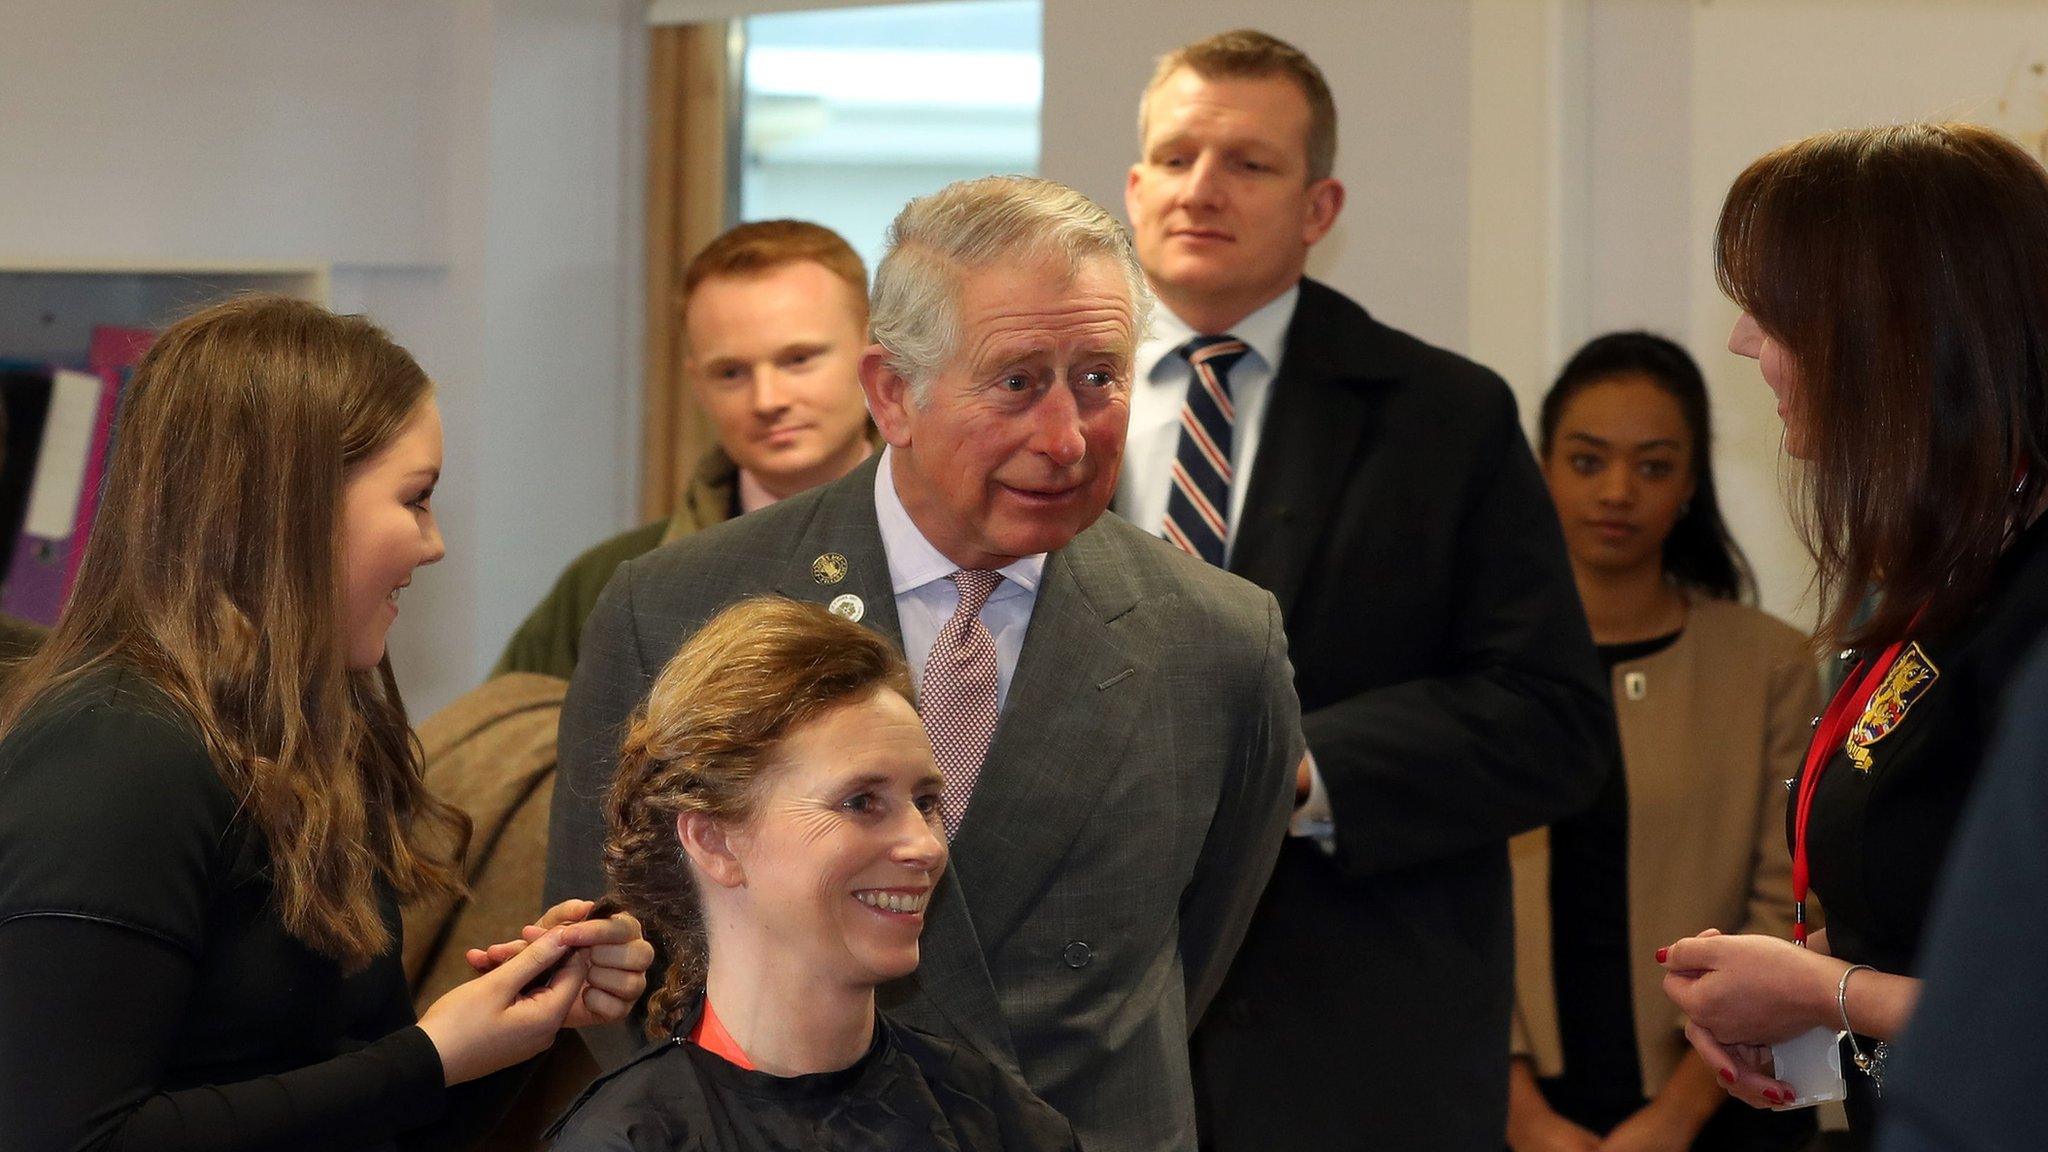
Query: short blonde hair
(1247,53)
(973,224)
(702,742)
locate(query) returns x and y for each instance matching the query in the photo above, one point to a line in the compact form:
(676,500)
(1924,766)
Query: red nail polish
(1727,1076)
(1662,953)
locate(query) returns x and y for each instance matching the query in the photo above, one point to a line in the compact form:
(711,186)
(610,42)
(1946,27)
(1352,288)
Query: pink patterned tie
(958,697)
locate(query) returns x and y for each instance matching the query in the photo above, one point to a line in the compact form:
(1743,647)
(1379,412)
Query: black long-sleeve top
(150,997)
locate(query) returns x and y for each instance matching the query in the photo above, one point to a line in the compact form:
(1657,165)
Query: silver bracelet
(1871,1064)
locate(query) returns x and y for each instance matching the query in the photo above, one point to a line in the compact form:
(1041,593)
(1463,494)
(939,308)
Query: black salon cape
(912,1092)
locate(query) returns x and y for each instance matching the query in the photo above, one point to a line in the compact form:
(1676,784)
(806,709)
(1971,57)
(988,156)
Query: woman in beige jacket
(1714,699)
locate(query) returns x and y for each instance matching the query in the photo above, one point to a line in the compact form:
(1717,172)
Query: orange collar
(710,1035)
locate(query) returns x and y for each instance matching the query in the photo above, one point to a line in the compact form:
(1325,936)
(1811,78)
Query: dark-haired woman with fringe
(1712,697)
(1894,292)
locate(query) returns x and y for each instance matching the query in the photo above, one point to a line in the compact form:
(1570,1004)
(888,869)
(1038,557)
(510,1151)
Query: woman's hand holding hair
(618,953)
(498,1019)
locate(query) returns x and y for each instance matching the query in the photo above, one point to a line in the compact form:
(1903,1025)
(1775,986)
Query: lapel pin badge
(829,569)
(847,605)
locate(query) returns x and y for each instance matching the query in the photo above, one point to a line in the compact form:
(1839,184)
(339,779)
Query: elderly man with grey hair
(1115,721)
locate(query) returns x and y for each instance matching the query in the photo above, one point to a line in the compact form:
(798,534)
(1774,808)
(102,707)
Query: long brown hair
(756,672)
(1905,270)
(213,572)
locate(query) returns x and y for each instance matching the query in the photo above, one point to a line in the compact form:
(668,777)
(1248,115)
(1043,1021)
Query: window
(845,114)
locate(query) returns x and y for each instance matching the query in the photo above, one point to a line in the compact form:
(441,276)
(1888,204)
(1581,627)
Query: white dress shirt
(1161,391)
(925,599)
(1157,397)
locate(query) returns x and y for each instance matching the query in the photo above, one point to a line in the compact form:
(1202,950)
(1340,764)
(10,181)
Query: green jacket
(19,640)
(547,641)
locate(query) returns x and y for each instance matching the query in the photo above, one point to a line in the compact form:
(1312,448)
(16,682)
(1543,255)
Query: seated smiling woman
(775,819)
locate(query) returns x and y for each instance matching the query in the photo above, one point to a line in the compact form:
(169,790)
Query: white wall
(471,169)
(224,129)
(557,428)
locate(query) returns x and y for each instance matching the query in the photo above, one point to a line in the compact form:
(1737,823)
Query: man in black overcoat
(1382,490)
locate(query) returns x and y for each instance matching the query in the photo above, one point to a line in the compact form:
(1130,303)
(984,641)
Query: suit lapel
(1319,412)
(1072,705)
(952,981)
(843,524)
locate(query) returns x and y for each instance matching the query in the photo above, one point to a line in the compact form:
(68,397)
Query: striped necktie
(1198,505)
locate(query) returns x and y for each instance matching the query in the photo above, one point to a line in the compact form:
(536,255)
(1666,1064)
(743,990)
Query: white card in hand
(1811,1063)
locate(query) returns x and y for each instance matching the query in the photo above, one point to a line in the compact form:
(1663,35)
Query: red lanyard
(1850,701)
(710,1035)
(1843,711)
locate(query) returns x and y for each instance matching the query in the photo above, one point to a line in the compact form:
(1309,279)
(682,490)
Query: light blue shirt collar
(913,562)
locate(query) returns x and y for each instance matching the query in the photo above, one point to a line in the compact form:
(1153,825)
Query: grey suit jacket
(1124,823)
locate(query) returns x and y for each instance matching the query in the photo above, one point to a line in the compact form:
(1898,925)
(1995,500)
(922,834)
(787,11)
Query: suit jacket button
(1077,954)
